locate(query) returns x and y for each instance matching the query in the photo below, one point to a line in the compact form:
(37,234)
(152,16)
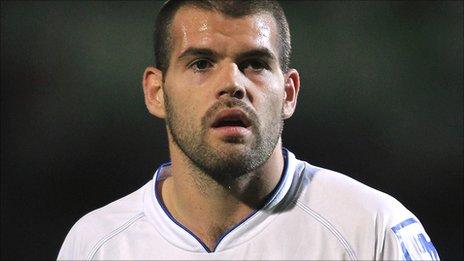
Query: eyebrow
(263,53)
(197,52)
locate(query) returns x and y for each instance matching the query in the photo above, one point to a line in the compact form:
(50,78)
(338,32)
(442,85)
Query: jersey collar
(181,237)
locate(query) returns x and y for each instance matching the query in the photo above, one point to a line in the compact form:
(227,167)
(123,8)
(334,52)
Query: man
(223,86)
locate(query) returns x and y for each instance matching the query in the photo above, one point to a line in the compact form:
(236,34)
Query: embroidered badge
(414,242)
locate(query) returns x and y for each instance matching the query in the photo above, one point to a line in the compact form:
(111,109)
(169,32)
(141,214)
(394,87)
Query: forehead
(195,27)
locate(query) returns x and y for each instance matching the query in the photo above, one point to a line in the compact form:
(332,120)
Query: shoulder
(330,191)
(373,224)
(100,225)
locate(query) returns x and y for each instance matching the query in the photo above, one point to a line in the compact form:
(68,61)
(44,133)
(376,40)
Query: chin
(233,150)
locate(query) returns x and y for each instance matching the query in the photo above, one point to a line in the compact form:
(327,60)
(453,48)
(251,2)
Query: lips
(231,118)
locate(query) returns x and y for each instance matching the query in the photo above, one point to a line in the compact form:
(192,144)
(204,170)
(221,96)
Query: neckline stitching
(255,213)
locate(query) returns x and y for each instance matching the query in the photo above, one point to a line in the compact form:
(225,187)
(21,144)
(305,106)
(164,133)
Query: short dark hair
(231,8)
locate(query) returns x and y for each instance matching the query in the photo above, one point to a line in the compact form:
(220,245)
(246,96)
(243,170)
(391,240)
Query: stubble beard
(224,163)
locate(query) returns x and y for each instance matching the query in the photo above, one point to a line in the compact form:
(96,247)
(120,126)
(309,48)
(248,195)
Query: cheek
(273,98)
(177,91)
(270,86)
(270,109)
(185,108)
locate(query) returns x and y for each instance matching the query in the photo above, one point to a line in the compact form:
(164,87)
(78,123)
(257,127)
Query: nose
(231,82)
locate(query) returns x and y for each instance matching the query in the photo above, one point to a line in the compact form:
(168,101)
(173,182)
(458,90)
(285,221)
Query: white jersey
(313,213)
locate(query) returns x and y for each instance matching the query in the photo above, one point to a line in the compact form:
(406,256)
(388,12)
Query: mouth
(234,118)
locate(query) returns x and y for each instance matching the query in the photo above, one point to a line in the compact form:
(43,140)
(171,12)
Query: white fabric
(312,214)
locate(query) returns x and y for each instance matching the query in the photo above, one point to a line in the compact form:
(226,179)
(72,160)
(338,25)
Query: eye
(201,65)
(254,65)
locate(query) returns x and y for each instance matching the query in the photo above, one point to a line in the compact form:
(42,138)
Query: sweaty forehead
(199,28)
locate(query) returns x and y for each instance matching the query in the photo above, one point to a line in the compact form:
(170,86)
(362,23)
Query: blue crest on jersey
(414,241)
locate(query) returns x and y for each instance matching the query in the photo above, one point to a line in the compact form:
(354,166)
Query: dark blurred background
(381,101)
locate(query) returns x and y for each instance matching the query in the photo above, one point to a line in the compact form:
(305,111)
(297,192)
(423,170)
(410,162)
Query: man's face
(224,90)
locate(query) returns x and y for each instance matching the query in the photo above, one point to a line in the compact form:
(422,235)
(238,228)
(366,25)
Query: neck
(208,208)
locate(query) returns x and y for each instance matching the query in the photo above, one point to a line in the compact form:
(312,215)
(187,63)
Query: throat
(213,235)
(210,209)
(209,220)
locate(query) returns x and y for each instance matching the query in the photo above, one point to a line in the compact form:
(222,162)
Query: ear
(292,87)
(153,91)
